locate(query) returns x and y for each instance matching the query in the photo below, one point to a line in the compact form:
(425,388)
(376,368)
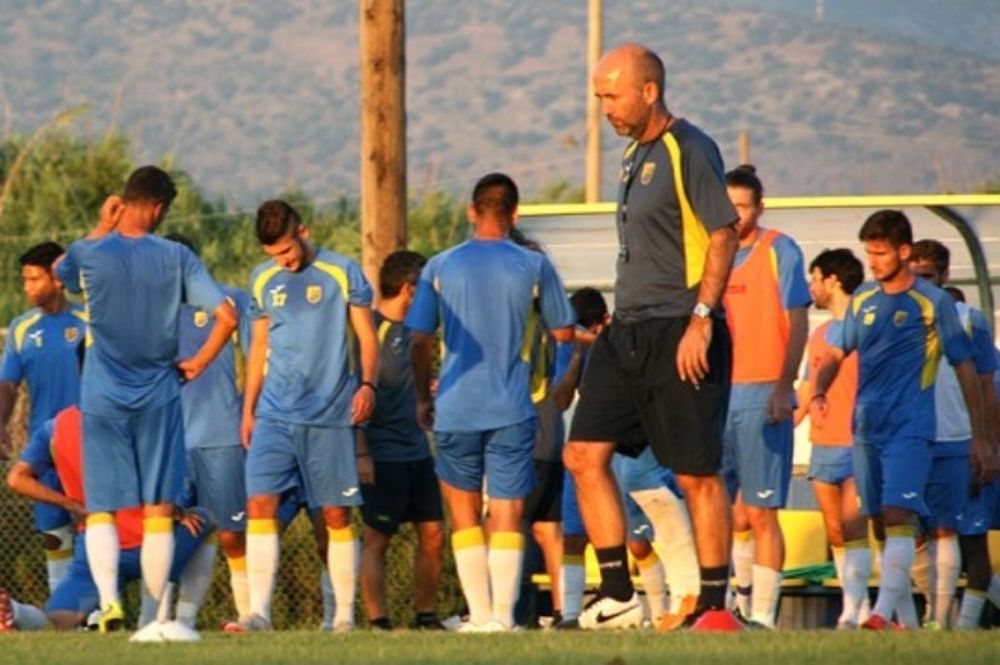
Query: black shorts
(403,492)
(631,395)
(544,504)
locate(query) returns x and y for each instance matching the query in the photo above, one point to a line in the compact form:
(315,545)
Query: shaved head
(635,64)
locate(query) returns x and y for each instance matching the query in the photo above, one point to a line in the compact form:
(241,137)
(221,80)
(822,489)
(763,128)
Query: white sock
(195,578)
(923,572)
(157,553)
(28,617)
(239,585)
(469,546)
(673,532)
(993,593)
(906,609)
(102,556)
(653,583)
(895,581)
(57,561)
(838,562)
(505,557)
(948,567)
(342,564)
(166,602)
(743,551)
(329,601)
(263,553)
(766,593)
(149,607)
(971,609)
(574,580)
(857,571)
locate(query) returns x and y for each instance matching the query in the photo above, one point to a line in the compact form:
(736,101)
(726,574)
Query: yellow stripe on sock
(262,527)
(58,555)
(837,550)
(572,559)
(157,524)
(506,540)
(471,537)
(743,536)
(899,531)
(859,544)
(976,592)
(880,544)
(237,564)
(344,535)
(100,518)
(649,561)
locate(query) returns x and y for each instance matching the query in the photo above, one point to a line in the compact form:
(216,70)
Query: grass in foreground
(620,648)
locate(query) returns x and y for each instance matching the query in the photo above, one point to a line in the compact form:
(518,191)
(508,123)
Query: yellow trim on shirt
(932,347)
(695,236)
(22,329)
(261,282)
(338,275)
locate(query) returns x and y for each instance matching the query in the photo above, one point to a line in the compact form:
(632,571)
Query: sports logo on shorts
(899,318)
(646,175)
(71,334)
(314,293)
(200,319)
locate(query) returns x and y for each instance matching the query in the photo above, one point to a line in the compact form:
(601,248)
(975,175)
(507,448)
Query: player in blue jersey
(41,351)
(482,293)
(306,389)
(900,325)
(406,487)
(951,473)
(135,284)
(212,404)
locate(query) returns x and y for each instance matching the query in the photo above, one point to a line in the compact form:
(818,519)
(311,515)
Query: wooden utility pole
(383,132)
(745,146)
(595,28)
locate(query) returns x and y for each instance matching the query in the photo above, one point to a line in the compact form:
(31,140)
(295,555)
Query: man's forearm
(798,333)
(8,393)
(421,354)
(718,262)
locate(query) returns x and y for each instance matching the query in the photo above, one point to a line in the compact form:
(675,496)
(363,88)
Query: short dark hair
(182,239)
(891,226)
(276,218)
(495,194)
(745,177)
(842,263)
(517,237)
(150,184)
(399,268)
(956,293)
(589,305)
(933,251)
(42,255)
(650,69)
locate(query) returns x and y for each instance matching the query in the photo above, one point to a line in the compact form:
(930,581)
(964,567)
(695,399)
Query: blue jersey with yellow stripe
(311,372)
(134,288)
(482,293)
(41,351)
(900,339)
(212,402)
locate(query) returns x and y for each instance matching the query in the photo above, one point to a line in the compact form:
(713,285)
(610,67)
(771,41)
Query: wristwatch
(702,311)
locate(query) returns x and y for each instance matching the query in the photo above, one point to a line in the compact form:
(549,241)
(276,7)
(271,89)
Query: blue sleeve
(359,289)
(241,301)
(68,269)
(982,343)
(564,354)
(555,307)
(791,274)
(199,288)
(38,452)
(845,336)
(12,370)
(255,308)
(423,314)
(955,342)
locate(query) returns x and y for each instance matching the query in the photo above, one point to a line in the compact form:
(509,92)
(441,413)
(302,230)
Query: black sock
(615,580)
(381,623)
(426,617)
(713,587)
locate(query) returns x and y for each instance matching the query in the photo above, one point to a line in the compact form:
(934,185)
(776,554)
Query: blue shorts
(572,523)
(77,591)
(504,456)
(216,480)
(831,464)
(757,458)
(133,458)
(46,516)
(642,473)
(893,473)
(947,491)
(976,518)
(319,461)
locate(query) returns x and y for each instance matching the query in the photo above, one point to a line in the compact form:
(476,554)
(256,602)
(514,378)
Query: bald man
(660,372)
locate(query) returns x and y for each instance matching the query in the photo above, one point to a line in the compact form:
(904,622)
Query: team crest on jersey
(200,319)
(899,318)
(314,293)
(71,334)
(646,175)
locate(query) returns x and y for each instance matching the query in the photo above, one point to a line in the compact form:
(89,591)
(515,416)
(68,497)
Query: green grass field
(622,648)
